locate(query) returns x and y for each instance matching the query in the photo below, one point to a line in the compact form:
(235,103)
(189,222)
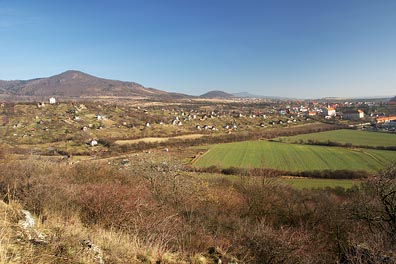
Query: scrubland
(151,210)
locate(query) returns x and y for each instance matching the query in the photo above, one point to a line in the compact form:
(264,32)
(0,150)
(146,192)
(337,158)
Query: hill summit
(75,84)
(216,94)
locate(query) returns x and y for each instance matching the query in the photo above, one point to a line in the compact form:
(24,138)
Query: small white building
(52,100)
(330,111)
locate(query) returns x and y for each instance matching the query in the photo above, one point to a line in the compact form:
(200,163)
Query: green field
(306,183)
(343,136)
(293,157)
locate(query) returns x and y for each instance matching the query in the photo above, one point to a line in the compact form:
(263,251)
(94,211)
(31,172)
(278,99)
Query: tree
(376,204)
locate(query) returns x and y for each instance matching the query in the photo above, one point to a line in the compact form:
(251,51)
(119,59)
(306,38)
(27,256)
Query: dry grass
(65,242)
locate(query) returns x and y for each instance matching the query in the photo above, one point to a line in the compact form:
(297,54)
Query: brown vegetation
(319,174)
(178,218)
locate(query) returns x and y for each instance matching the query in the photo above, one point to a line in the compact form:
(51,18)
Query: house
(52,100)
(303,109)
(282,112)
(353,115)
(330,111)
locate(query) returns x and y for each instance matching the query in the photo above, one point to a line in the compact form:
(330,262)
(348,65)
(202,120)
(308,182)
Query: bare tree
(376,203)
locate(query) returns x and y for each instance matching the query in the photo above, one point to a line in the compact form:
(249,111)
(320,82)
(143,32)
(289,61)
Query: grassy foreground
(345,136)
(273,155)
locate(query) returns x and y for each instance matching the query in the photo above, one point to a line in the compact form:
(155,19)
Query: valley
(186,180)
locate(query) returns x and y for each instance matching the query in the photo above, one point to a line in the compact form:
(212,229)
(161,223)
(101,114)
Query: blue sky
(295,48)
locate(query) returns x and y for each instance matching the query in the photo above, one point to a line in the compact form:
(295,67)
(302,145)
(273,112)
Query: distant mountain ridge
(216,94)
(76,84)
(247,95)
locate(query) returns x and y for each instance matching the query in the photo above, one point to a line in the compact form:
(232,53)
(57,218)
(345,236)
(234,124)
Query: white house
(93,142)
(330,111)
(52,100)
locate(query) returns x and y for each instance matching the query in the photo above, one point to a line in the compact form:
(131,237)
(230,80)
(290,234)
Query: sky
(289,48)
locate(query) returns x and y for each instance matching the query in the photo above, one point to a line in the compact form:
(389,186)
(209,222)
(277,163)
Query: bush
(108,205)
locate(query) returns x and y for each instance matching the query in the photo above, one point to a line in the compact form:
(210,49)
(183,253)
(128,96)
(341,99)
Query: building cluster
(50,117)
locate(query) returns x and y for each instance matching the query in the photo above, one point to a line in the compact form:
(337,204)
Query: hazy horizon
(298,49)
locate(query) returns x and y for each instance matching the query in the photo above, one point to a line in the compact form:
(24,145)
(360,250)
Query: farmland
(293,157)
(304,183)
(345,136)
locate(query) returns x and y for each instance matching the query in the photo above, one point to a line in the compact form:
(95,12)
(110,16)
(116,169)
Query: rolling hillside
(77,84)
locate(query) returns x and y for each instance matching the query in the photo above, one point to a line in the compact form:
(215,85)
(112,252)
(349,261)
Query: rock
(97,252)
(34,236)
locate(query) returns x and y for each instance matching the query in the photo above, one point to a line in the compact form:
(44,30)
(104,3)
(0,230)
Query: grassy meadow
(293,157)
(305,183)
(344,136)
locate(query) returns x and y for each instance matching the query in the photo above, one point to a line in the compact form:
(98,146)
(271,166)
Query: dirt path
(156,139)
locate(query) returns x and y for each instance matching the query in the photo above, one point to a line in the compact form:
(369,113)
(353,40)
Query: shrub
(108,205)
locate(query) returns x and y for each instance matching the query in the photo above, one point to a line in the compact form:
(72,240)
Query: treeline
(265,172)
(330,143)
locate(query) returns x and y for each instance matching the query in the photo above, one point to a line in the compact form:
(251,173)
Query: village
(56,125)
